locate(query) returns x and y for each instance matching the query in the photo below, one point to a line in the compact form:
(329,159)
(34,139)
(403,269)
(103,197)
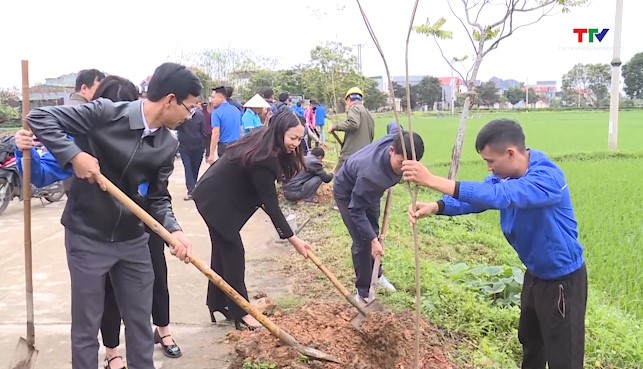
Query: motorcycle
(11,186)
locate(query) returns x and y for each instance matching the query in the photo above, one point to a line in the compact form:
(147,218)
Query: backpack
(7,148)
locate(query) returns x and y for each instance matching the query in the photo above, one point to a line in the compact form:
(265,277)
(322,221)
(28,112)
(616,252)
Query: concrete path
(202,343)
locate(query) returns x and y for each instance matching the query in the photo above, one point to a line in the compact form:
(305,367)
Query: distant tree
(487,94)
(400,92)
(8,97)
(633,76)
(428,91)
(516,94)
(206,81)
(374,98)
(591,82)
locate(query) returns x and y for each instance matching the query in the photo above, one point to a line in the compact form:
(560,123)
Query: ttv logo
(593,32)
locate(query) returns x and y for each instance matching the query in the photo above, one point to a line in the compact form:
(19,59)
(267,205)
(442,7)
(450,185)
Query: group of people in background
(258,144)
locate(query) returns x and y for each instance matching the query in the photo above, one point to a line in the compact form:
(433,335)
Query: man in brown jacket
(359,127)
(87,83)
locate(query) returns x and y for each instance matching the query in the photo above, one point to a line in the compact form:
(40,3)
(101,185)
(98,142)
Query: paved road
(201,342)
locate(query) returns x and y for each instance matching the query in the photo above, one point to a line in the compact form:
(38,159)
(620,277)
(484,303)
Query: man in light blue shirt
(226,123)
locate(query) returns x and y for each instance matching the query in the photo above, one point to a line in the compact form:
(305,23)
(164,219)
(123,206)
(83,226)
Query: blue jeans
(322,132)
(192,159)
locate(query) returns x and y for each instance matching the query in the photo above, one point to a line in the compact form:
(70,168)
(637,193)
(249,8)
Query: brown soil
(387,340)
(324,196)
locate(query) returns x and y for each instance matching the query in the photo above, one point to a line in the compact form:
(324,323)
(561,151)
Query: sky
(131,38)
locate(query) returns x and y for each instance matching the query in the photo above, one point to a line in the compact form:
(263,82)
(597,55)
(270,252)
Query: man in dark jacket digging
(359,187)
(304,185)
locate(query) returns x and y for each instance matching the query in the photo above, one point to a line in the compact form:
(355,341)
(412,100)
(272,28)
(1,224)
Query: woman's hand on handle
(300,245)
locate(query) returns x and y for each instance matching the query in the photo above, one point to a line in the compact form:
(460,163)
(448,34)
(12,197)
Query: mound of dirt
(387,341)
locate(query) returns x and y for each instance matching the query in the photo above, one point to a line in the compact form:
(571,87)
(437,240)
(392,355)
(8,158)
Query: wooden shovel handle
(26,198)
(198,263)
(339,140)
(349,297)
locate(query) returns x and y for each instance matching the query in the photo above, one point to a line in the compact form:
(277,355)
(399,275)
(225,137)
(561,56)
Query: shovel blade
(373,306)
(316,354)
(24,357)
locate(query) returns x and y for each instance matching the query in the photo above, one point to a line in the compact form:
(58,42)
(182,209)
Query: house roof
(542,89)
(446,81)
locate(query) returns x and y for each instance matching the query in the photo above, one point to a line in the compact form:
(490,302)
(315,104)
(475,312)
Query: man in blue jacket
(358,189)
(537,219)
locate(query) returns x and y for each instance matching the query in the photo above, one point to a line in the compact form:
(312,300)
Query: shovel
(339,140)
(375,305)
(214,277)
(26,354)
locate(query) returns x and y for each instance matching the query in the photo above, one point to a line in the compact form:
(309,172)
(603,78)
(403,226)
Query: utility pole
(527,93)
(359,56)
(616,78)
(452,90)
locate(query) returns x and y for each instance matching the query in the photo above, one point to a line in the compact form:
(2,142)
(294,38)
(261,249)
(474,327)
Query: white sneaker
(361,300)
(385,284)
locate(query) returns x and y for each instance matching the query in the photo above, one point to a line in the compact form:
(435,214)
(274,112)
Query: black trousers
(229,261)
(111,322)
(206,143)
(552,321)
(221,147)
(192,159)
(361,248)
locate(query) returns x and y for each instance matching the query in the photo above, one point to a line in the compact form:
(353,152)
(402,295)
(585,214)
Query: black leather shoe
(172,351)
(224,312)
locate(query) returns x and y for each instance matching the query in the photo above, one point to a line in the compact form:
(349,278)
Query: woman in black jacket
(230,192)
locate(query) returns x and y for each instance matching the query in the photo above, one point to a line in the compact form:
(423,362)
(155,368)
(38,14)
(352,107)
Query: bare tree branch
(466,12)
(466,30)
(448,60)
(512,29)
(480,10)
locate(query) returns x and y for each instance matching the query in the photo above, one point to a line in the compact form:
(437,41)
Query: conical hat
(257,102)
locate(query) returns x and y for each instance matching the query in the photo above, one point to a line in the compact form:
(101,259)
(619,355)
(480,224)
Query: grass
(551,132)
(604,191)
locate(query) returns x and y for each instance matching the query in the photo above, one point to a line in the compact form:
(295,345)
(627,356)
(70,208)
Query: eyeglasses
(191,111)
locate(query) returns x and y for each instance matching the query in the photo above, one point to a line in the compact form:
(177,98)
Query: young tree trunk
(456,153)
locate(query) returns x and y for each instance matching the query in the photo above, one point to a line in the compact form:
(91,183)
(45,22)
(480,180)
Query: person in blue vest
(537,219)
(297,108)
(320,120)
(226,123)
(45,170)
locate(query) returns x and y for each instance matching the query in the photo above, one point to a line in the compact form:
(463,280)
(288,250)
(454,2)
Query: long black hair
(116,89)
(263,143)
